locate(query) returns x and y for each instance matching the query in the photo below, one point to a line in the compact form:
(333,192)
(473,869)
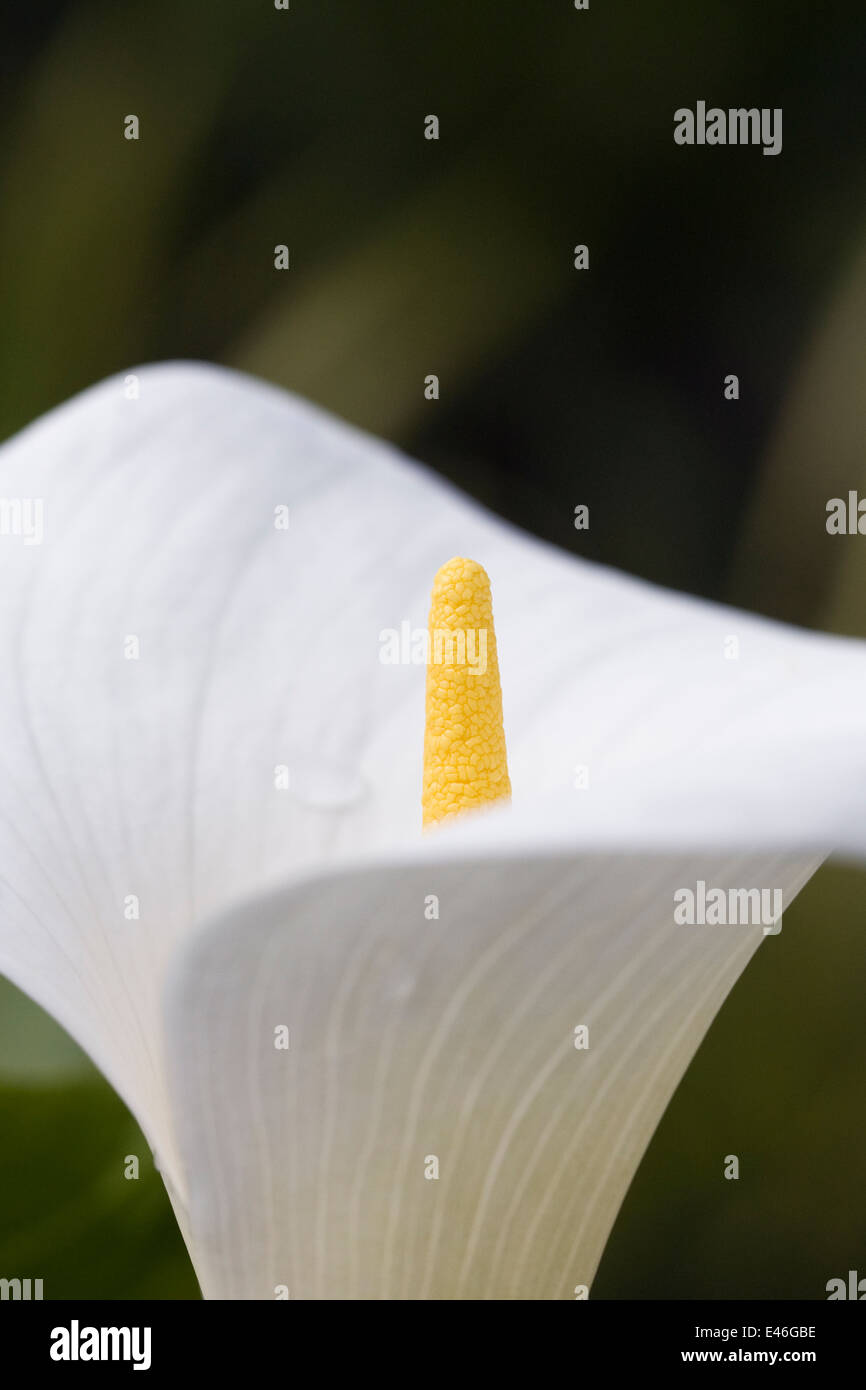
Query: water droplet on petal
(325,785)
(403,988)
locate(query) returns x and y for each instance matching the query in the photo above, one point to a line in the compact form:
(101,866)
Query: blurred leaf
(788,566)
(778,1081)
(33,1048)
(87,217)
(434,288)
(70,1217)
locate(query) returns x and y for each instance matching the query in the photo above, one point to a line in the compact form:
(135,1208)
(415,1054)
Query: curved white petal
(153,779)
(453,1039)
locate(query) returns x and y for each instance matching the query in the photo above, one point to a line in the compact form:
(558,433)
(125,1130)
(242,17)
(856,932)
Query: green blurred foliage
(778,1081)
(68,1214)
(261,127)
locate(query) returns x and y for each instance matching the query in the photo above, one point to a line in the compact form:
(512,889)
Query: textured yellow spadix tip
(464,739)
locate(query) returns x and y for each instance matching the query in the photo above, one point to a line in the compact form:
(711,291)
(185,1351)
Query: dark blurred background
(305,127)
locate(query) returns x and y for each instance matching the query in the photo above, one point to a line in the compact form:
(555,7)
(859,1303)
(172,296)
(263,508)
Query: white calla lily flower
(211,844)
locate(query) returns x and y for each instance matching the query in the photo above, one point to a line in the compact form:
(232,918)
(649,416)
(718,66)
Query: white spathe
(152,782)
